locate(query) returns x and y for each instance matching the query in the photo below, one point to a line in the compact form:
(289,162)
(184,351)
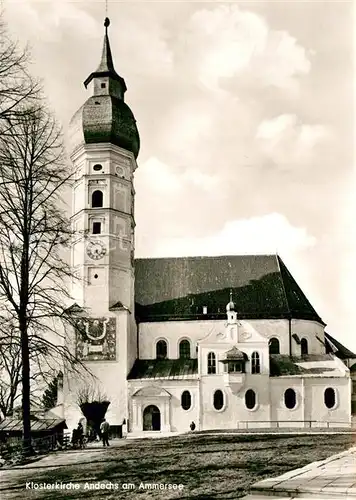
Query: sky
(245,112)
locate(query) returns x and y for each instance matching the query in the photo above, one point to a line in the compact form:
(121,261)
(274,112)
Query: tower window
(96,227)
(103,85)
(304,347)
(255,363)
(184,349)
(186,400)
(211,363)
(97,167)
(97,199)
(274,346)
(161,349)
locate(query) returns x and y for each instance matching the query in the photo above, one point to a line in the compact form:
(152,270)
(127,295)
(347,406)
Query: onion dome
(105,117)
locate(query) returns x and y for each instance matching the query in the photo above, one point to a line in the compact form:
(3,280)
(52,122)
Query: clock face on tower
(96,249)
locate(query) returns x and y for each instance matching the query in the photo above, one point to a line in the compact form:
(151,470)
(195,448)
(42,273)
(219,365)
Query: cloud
(226,41)
(155,176)
(266,234)
(48,20)
(285,140)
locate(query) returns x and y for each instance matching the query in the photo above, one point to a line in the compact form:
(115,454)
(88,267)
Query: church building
(227,342)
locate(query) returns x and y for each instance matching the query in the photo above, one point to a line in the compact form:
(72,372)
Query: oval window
(250,399)
(329,398)
(97,167)
(186,400)
(218,400)
(290,398)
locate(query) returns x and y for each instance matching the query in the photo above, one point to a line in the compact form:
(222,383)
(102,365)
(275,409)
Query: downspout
(290,335)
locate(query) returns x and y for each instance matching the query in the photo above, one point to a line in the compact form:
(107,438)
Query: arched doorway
(151,418)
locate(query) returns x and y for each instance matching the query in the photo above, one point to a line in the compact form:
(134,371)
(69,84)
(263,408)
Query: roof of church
(281,364)
(178,288)
(167,368)
(341,351)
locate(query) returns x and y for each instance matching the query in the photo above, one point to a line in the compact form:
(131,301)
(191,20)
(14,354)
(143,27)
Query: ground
(219,466)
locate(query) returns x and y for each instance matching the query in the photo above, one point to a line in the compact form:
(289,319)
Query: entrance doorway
(151,418)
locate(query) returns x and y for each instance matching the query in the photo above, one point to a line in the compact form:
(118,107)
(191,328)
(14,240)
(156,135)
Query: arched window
(290,398)
(161,349)
(329,397)
(211,363)
(255,363)
(186,400)
(304,347)
(218,399)
(274,346)
(97,199)
(184,349)
(250,399)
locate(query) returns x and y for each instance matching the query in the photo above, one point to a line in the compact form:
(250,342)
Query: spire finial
(106,23)
(230,295)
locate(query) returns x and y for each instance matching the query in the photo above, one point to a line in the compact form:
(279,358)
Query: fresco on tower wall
(96,339)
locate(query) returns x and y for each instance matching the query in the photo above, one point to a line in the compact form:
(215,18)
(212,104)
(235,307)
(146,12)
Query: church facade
(225,342)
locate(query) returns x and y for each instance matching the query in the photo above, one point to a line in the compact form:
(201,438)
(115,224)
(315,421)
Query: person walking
(80,435)
(104,430)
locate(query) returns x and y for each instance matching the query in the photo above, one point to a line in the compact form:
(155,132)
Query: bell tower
(104,145)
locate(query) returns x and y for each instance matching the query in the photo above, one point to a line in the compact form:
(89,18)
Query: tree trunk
(26,403)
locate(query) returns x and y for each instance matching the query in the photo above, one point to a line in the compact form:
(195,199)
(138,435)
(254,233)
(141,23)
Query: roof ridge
(207,256)
(283,284)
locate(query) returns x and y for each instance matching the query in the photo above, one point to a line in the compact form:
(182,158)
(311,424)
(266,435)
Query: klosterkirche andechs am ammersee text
(225,342)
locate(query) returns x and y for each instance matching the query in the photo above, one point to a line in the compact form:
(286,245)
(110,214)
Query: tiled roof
(234,354)
(342,352)
(281,364)
(167,368)
(10,424)
(179,288)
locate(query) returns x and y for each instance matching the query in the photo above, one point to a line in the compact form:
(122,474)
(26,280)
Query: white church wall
(220,349)
(173,332)
(234,413)
(79,196)
(178,419)
(273,328)
(315,408)
(279,412)
(308,330)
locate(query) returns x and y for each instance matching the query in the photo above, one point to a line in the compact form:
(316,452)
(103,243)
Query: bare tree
(34,234)
(93,405)
(17,86)
(11,371)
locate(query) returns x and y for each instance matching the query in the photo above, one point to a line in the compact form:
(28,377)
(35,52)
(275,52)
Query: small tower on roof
(231,312)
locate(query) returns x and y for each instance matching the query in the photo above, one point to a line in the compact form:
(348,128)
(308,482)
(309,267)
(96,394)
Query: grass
(209,467)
